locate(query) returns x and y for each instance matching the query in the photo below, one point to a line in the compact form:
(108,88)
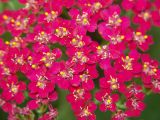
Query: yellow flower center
(14,88)
(40,84)
(127,63)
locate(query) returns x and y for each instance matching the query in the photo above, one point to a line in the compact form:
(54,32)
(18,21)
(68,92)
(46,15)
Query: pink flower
(134,107)
(150,68)
(113,81)
(129,64)
(13,89)
(78,94)
(155,84)
(40,85)
(41,35)
(143,19)
(141,40)
(107,100)
(83,20)
(87,77)
(85,110)
(80,58)
(64,75)
(120,115)
(19,23)
(135,91)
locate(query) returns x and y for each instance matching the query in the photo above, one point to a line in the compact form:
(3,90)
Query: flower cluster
(54,44)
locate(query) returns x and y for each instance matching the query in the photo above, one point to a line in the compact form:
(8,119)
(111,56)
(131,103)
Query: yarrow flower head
(93,52)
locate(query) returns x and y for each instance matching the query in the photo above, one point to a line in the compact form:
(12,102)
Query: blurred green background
(152,112)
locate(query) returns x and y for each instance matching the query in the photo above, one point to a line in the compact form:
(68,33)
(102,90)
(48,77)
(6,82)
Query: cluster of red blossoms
(54,44)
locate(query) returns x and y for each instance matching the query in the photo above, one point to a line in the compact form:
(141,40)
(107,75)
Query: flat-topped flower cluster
(110,72)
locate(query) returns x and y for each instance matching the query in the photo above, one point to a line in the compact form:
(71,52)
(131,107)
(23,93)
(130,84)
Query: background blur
(152,112)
